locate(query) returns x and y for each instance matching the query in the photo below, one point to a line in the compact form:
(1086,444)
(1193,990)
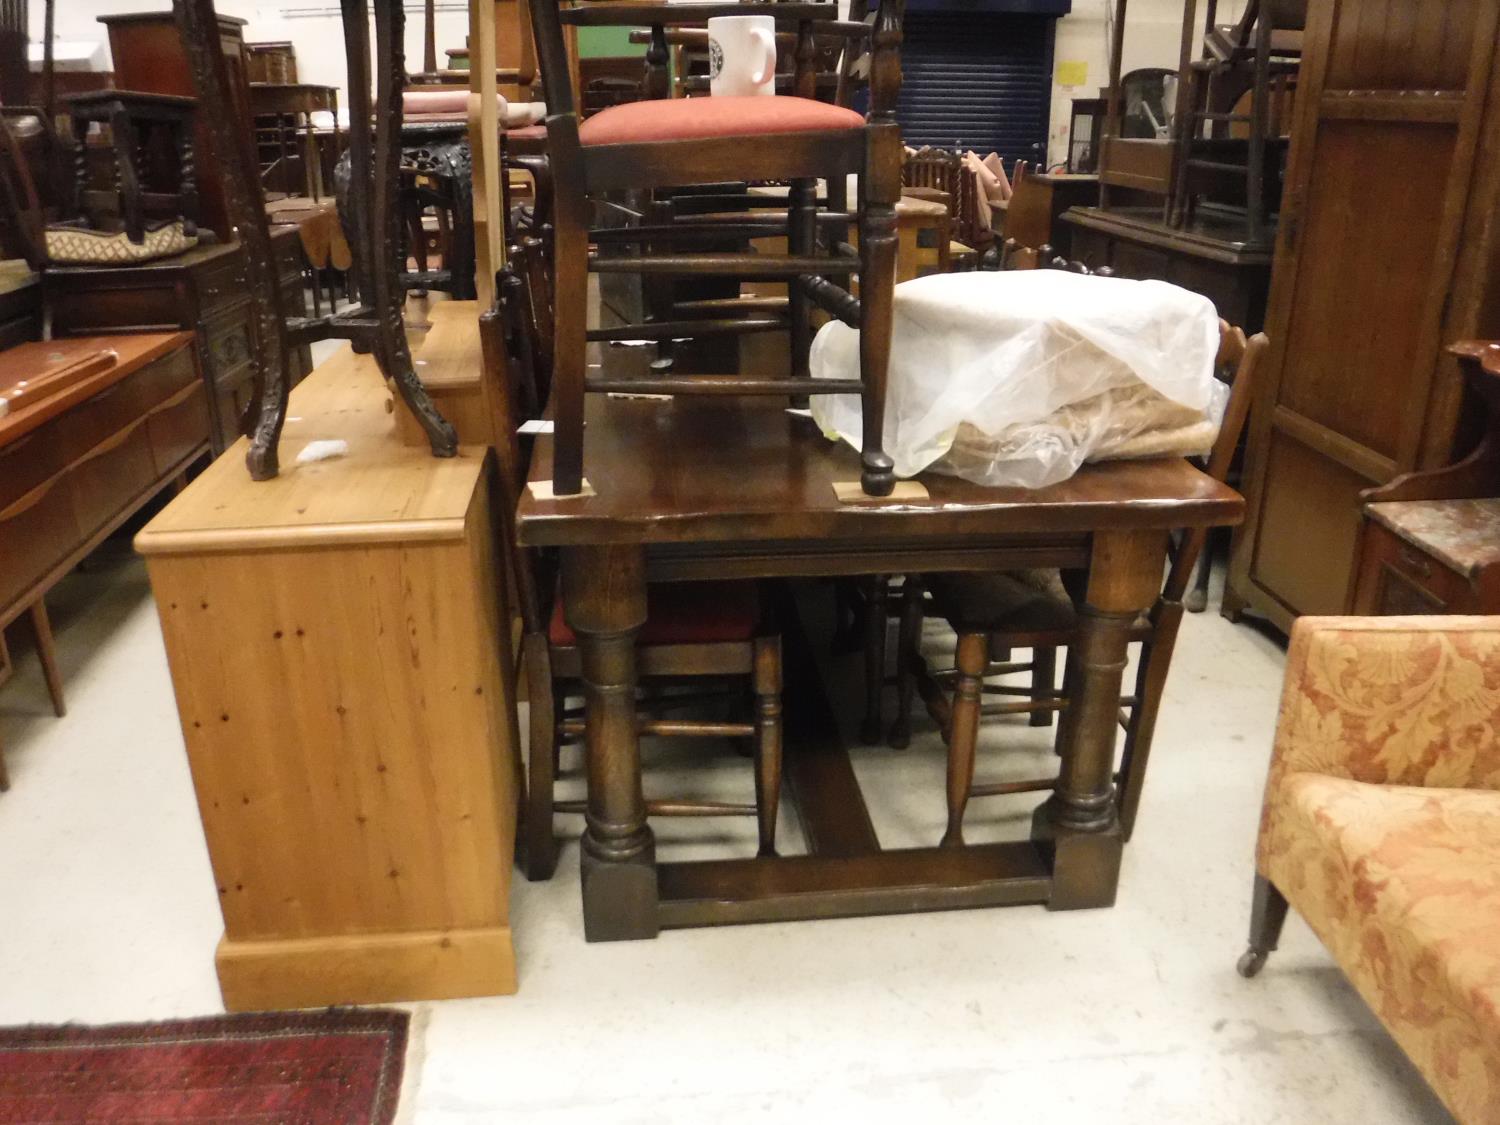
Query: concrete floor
(1133,1014)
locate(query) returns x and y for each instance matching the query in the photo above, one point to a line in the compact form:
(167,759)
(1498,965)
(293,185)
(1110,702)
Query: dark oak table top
(728,469)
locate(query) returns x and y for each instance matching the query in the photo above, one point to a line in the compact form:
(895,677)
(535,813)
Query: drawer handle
(1416,562)
(177,399)
(109,444)
(30,500)
(19,444)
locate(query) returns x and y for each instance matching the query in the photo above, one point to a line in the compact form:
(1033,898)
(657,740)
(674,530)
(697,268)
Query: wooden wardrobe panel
(1386,252)
(1353,343)
(1310,511)
(1401,45)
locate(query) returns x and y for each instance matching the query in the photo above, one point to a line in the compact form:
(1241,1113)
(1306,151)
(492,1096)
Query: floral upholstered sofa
(1382,827)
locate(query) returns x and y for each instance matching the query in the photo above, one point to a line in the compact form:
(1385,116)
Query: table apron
(796,559)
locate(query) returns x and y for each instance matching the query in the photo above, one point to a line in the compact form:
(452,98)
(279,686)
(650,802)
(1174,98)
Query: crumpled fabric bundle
(1018,378)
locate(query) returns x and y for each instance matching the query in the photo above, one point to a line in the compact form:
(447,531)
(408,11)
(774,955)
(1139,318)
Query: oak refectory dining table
(732,487)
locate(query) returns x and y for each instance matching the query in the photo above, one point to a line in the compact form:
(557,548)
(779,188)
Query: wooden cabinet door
(1390,113)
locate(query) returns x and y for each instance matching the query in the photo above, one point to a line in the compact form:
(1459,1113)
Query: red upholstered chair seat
(688,119)
(683,613)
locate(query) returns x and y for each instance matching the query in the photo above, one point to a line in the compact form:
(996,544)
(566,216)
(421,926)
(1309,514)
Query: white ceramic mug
(741,55)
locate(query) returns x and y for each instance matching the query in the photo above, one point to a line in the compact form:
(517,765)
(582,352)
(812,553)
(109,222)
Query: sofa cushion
(1402,884)
(689,119)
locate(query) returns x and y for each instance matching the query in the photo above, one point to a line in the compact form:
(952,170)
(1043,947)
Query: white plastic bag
(1018,378)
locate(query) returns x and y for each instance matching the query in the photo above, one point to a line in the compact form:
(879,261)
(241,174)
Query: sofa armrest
(1393,701)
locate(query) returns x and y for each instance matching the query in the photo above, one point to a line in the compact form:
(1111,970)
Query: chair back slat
(1240,359)
(500,371)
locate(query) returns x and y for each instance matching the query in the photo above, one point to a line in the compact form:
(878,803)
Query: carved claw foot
(261,461)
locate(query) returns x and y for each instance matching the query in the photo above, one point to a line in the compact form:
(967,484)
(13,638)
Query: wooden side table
(1430,556)
(283,113)
(346,705)
(1430,541)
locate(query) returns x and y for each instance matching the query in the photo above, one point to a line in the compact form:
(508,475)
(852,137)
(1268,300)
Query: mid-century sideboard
(76,463)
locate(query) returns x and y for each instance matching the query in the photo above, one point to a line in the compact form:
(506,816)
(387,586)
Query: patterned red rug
(291,1068)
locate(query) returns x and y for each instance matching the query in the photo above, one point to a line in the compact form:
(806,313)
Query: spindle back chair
(695,631)
(993,614)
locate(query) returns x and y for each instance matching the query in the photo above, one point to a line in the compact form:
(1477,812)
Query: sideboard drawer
(36,533)
(222,283)
(177,427)
(28,461)
(97,419)
(87,312)
(113,474)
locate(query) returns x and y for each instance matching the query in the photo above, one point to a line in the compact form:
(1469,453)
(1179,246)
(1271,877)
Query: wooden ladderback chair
(995,613)
(22,219)
(944,171)
(695,631)
(681,142)
(1254,61)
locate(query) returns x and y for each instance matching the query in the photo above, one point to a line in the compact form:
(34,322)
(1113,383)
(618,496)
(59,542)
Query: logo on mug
(715,58)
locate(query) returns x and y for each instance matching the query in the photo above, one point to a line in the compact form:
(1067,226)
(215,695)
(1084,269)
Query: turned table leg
(604,592)
(1125,572)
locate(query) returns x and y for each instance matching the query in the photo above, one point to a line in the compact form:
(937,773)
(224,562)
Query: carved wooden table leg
(391,350)
(234,148)
(604,590)
(1125,574)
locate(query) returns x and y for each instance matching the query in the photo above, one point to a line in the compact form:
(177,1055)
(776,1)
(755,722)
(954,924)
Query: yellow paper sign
(1073,73)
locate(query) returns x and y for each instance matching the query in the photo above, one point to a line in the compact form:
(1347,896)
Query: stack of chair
(683,143)
(1225,150)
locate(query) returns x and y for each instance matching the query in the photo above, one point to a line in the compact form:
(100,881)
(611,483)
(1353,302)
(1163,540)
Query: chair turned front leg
(1267,915)
(1196,600)
(973,657)
(877,589)
(540,852)
(1043,682)
(877,283)
(767,688)
(908,651)
(802,215)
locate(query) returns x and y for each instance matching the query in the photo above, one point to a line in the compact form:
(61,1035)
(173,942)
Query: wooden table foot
(1085,865)
(604,597)
(620,897)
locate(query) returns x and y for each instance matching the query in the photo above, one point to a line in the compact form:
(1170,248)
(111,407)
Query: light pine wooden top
(381,491)
(448,354)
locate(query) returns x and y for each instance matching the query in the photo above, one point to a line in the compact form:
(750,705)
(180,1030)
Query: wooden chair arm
(673,15)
